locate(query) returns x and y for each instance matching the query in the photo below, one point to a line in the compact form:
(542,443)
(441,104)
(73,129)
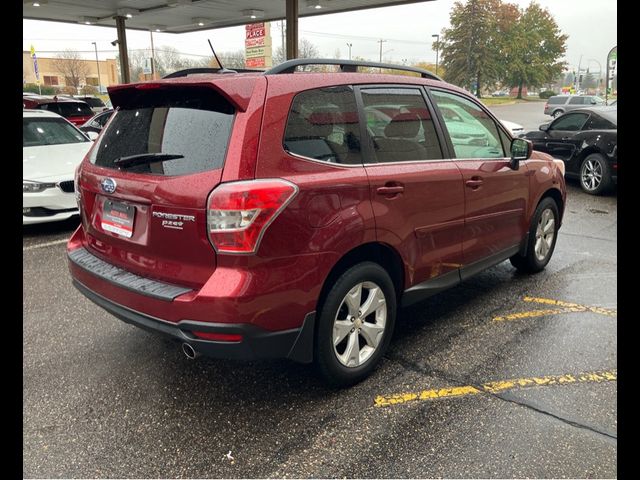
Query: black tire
(335,306)
(590,167)
(531,263)
(557,113)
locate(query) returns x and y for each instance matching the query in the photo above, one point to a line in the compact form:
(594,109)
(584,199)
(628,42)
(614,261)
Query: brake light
(148,86)
(238,213)
(219,337)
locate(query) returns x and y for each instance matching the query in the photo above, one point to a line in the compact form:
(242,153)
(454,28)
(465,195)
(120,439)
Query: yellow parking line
(602,311)
(496,387)
(567,307)
(530,314)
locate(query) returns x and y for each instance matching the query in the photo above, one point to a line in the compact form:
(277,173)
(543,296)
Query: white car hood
(53,162)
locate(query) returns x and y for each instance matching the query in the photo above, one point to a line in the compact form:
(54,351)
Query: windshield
(49,131)
(191,125)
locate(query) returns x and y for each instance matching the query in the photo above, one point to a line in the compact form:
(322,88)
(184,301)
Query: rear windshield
(49,131)
(68,109)
(557,100)
(192,125)
(93,102)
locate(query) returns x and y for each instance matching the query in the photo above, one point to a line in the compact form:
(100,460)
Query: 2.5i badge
(117,217)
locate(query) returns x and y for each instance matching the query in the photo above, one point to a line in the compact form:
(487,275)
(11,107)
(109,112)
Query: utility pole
(95,46)
(349,45)
(578,82)
(153,58)
(284,54)
(381,41)
(437,37)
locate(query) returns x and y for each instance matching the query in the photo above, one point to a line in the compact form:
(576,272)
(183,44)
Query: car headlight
(29,186)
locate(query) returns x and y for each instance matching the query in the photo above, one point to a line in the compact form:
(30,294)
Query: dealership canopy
(183,16)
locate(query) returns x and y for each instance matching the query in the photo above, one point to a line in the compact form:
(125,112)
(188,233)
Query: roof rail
(192,71)
(345,66)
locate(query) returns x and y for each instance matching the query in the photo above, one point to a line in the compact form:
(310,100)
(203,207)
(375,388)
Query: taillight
(238,213)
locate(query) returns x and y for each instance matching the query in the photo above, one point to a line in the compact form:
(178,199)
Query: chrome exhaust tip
(189,352)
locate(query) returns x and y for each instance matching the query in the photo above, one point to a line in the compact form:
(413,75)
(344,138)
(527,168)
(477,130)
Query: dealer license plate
(117,217)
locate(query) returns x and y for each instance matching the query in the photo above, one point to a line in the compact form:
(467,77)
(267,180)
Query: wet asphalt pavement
(105,399)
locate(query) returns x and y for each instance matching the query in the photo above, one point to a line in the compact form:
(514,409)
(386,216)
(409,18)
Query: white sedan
(52,149)
(515,128)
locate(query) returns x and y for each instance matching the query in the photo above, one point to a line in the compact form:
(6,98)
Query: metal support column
(122,49)
(292,29)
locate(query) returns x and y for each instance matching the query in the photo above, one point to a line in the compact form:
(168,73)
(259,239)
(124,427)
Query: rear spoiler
(236,90)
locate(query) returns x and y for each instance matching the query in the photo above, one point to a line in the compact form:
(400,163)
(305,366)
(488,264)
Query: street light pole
(437,37)
(95,46)
(599,71)
(381,41)
(349,45)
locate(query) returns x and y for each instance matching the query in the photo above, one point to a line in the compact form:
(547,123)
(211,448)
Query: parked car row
(76,109)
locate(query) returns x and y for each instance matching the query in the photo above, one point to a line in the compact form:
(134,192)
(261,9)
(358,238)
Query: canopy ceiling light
(253,14)
(314,4)
(158,28)
(35,3)
(127,12)
(88,20)
(200,21)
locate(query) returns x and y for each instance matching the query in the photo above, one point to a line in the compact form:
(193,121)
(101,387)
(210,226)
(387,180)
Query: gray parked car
(558,104)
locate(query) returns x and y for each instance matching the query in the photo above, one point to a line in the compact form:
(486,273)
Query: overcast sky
(590,24)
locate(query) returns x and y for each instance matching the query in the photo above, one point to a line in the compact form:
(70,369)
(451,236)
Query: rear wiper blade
(142,158)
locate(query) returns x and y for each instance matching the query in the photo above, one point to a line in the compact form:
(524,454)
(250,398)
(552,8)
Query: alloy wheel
(359,324)
(591,175)
(545,231)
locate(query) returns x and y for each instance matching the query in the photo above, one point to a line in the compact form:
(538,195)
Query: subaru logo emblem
(108,185)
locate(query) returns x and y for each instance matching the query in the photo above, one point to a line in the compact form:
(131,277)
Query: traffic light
(580,79)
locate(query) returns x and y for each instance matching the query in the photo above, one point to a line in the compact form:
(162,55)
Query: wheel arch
(556,196)
(382,254)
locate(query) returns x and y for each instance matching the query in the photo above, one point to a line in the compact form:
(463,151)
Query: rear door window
(557,100)
(576,101)
(323,125)
(400,125)
(192,126)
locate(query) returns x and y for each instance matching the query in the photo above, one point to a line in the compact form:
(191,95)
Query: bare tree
(230,60)
(233,59)
(72,67)
(306,49)
(169,59)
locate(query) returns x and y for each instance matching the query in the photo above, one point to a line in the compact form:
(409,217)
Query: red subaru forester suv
(290,214)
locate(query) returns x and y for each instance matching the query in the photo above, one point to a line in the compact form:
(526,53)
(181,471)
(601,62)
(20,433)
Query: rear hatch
(145,185)
(76,112)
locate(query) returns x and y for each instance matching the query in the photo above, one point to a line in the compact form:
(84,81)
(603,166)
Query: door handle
(474,183)
(390,190)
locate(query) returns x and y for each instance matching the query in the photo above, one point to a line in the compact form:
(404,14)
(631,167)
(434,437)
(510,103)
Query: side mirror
(93,135)
(521,149)
(544,127)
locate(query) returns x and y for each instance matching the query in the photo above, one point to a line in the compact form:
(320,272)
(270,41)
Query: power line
(375,39)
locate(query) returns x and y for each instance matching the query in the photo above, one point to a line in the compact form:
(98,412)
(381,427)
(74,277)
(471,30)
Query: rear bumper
(257,343)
